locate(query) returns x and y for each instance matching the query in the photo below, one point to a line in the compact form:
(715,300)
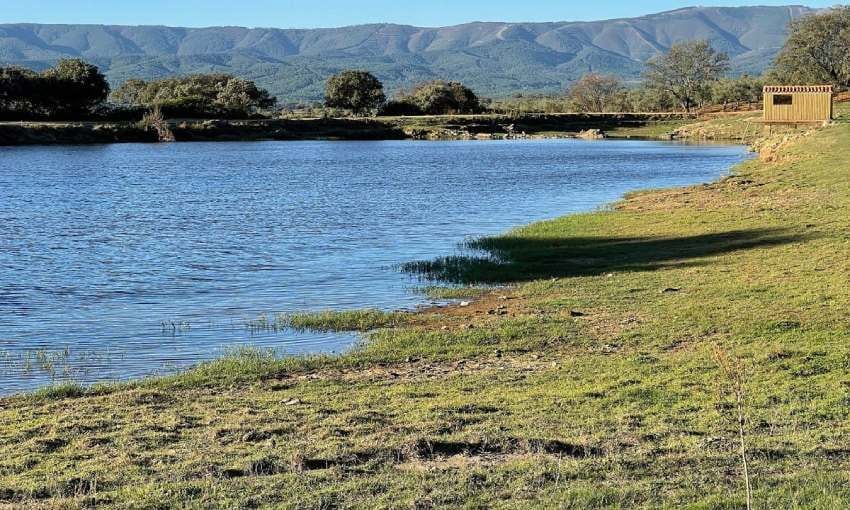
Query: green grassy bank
(591,380)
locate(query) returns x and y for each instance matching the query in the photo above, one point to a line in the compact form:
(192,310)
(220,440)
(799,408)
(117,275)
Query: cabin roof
(791,89)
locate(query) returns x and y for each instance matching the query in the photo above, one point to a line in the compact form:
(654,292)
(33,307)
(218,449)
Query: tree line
(692,74)
(197,95)
(689,75)
(74,90)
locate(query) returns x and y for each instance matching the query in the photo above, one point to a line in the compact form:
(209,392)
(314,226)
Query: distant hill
(495,59)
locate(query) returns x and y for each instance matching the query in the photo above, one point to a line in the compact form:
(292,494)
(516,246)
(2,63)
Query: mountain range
(495,59)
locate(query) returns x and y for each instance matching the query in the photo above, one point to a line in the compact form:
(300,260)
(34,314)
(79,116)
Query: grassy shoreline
(589,382)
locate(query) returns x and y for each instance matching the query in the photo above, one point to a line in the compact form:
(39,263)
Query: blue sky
(331,13)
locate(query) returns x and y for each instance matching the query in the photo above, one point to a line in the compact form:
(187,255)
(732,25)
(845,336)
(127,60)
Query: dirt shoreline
(464,127)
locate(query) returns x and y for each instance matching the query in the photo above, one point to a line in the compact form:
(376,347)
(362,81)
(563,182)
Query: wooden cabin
(793,104)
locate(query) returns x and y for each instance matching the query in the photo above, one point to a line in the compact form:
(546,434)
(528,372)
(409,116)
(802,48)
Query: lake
(120,261)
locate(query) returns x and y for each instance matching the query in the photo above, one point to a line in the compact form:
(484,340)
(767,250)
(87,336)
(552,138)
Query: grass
(661,129)
(587,381)
(453,293)
(351,320)
(331,321)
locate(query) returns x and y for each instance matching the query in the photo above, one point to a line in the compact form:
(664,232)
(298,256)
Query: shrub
(358,91)
(444,98)
(400,107)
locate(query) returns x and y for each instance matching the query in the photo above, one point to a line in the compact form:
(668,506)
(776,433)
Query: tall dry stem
(154,119)
(733,371)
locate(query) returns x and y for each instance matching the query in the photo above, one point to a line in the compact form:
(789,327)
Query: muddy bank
(29,133)
(389,128)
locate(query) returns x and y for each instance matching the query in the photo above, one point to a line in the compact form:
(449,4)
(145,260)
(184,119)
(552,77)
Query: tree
(817,50)
(596,93)
(243,94)
(647,99)
(358,91)
(196,95)
(686,72)
(72,88)
(17,86)
(75,86)
(744,89)
(443,97)
(130,92)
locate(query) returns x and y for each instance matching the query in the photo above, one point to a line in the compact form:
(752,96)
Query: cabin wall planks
(798,103)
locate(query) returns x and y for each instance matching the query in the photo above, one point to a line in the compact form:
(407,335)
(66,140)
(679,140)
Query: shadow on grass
(516,259)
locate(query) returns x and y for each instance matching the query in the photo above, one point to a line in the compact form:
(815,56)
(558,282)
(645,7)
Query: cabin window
(783,100)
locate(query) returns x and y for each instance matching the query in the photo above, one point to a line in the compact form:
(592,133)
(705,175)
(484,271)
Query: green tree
(358,91)
(243,94)
(687,72)
(444,97)
(130,92)
(817,50)
(196,95)
(596,93)
(647,99)
(744,89)
(17,89)
(74,86)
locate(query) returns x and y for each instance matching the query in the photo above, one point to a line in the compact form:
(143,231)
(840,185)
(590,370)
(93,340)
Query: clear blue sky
(332,13)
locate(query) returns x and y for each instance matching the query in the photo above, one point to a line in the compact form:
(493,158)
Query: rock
(254,436)
(576,313)
(498,353)
(610,348)
(444,328)
(292,402)
(592,134)
(669,290)
(465,303)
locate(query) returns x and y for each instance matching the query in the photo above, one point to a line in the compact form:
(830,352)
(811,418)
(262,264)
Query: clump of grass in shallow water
(331,321)
(263,323)
(349,320)
(463,292)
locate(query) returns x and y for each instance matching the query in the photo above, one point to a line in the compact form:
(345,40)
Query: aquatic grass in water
(348,320)
(453,293)
(51,363)
(330,321)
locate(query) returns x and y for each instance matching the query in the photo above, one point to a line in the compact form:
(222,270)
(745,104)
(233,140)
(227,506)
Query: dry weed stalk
(734,372)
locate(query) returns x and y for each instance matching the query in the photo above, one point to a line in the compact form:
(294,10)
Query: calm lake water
(119,261)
